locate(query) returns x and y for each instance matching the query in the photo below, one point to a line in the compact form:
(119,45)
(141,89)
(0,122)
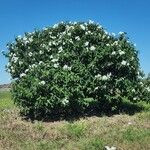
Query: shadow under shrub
(72,69)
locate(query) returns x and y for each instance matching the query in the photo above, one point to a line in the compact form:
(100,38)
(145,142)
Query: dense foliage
(71,68)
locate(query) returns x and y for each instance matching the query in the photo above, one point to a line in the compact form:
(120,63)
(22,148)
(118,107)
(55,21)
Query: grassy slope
(90,133)
(5,100)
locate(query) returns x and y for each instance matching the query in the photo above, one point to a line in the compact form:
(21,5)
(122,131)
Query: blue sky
(131,16)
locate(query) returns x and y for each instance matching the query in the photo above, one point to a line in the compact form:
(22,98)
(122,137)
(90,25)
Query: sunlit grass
(5,100)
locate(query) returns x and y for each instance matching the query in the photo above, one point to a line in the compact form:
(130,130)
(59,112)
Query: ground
(125,132)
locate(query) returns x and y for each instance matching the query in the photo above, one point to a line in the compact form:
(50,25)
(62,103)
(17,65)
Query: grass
(125,132)
(5,100)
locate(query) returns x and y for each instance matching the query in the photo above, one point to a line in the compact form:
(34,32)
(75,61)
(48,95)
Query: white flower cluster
(20,62)
(97,76)
(108,44)
(121,52)
(41,52)
(32,66)
(124,63)
(56,65)
(92,48)
(30,54)
(22,75)
(113,53)
(135,98)
(41,62)
(65,101)
(141,83)
(133,90)
(148,89)
(86,44)
(115,43)
(54,60)
(104,77)
(14,58)
(60,49)
(77,38)
(26,39)
(42,83)
(83,27)
(66,67)
(26,70)
(11,68)
(96,88)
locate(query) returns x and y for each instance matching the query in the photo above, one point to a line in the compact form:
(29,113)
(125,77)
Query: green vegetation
(65,77)
(74,130)
(5,100)
(89,133)
(75,68)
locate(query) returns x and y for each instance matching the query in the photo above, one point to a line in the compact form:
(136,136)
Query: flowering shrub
(142,90)
(72,67)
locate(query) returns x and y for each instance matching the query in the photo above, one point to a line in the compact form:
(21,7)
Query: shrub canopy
(72,67)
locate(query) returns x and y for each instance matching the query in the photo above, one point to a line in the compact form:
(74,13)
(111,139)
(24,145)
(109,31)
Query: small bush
(71,68)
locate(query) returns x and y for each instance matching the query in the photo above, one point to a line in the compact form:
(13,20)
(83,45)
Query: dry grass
(91,133)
